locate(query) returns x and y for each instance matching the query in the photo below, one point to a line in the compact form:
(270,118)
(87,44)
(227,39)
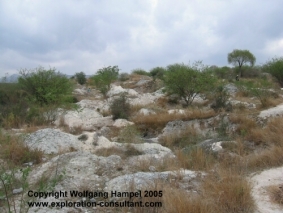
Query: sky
(87,35)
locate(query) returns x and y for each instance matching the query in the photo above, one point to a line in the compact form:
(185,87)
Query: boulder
(122,123)
(85,118)
(52,141)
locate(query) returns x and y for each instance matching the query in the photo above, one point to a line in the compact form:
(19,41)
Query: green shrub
(188,81)
(120,108)
(221,97)
(157,72)
(222,72)
(45,87)
(275,68)
(104,78)
(81,78)
(140,72)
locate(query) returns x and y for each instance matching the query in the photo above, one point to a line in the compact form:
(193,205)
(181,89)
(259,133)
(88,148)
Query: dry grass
(218,191)
(180,139)
(159,120)
(276,194)
(14,150)
(123,153)
(179,201)
(270,157)
(245,124)
(230,192)
(195,159)
(271,134)
(269,102)
(129,134)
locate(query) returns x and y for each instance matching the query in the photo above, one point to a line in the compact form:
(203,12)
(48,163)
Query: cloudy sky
(85,35)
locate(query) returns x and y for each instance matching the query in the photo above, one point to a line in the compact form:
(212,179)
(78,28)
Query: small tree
(187,81)
(45,86)
(104,78)
(81,78)
(275,68)
(241,57)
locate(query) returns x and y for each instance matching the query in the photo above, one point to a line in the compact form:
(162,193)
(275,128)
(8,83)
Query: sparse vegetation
(104,78)
(129,134)
(276,193)
(120,108)
(275,68)
(247,142)
(139,71)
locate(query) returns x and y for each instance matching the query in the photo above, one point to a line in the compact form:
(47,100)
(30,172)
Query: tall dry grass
(15,151)
(159,120)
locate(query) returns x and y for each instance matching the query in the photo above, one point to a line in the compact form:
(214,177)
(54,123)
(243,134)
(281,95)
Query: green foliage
(157,72)
(221,72)
(45,87)
(241,57)
(261,89)
(8,182)
(275,68)
(140,72)
(13,105)
(221,97)
(104,78)
(81,78)
(188,81)
(120,108)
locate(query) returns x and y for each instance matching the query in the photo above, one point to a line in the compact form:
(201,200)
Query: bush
(157,72)
(140,72)
(221,97)
(45,87)
(275,68)
(120,108)
(13,105)
(104,78)
(81,78)
(124,77)
(221,72)
(129,134)
(188,81)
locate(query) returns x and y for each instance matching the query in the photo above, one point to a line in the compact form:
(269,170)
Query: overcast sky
(85,35)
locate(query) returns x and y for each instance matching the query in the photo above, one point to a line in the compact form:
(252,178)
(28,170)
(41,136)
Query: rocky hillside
(200,158)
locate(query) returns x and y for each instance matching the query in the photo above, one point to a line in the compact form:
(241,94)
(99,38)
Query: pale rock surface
(116,90)
(152,148)
(98,105)
(80,91)
(231,89)
(145,111)
(261,182)
(52,141)
(274,111)
(176,111)
(122,123)
(143,180)
(246,104)
(86,118)
(146,98)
